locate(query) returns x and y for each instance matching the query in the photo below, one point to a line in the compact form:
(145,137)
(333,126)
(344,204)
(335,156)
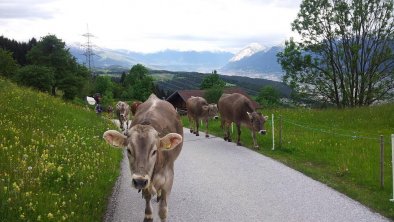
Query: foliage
(69,76)
(268,96)
(213,95)
(212,80)
(54,165)
(38,77)
(138,84)
(339,147)
(345,56)
(8,65)
(18,49)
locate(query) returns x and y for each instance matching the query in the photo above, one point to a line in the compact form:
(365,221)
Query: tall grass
(340,148)
(54,164)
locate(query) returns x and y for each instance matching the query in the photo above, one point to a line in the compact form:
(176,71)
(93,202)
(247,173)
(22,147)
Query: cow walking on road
(237,108)
(199,109)
(122,112)
(153,143)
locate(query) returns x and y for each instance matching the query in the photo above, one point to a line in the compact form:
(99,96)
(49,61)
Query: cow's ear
(115,138)
(250,115)
(205,107)
(170,141)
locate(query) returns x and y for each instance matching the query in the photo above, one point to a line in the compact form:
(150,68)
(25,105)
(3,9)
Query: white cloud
(152,25)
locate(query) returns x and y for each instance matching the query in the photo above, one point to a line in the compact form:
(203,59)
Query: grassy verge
(340,148)
(54,164)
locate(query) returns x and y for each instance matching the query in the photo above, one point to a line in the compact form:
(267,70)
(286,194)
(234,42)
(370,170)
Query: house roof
(186,94)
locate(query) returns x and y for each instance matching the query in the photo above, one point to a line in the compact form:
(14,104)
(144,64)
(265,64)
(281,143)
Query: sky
(152,25)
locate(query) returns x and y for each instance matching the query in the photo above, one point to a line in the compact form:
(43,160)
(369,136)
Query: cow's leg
(163,209)
(148,208)
(121,124)
(197,126)
(223,126)
(228,132)
(190,123)
(239,134)
(254,139)
(206,131)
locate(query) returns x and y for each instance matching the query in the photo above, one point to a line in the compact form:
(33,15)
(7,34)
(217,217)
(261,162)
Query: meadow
(340,148)
(54,164)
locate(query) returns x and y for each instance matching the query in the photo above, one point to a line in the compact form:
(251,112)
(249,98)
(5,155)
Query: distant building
(178,98)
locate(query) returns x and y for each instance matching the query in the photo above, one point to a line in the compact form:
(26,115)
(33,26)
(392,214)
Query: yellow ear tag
(168,145)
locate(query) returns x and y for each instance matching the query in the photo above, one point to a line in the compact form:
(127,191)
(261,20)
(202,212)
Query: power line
(88,50)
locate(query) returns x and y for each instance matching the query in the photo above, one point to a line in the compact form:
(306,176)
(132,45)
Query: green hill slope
(54,164)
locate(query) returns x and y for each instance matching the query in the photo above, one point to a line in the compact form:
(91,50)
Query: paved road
(219,181)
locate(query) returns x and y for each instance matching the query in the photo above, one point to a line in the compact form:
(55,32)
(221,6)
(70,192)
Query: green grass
(320,144)
(54,164)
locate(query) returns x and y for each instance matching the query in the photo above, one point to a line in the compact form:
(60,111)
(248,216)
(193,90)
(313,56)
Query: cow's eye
(154,152)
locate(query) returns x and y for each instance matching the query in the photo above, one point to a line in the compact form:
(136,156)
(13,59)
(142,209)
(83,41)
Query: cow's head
(212,110)
(257,121)
(122,108)
(144,149)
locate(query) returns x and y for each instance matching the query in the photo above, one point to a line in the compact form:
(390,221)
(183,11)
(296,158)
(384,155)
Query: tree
(345,55)
(38,77)
(138,84)
(8,65)
(268,96)
(212,80)
(69,76)
(213,94)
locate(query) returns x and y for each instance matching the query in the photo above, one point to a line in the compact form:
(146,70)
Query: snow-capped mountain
(261,64)
(248,51)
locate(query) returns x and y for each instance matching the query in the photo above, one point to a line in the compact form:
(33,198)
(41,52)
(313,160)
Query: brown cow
(198,108)
(134,106)
(237,108)
(122,112)
(153,143)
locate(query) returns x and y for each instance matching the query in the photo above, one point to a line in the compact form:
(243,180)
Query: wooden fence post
(273,133)
(381,161)
(392,162)
(280,131)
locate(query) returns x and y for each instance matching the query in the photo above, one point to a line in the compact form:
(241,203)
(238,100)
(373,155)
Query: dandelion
(30,168)
(50,216)
(16,187)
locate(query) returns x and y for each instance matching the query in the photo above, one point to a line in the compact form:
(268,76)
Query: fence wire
(353,136)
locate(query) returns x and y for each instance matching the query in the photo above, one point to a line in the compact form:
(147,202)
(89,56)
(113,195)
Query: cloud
(152,25)
(28,9)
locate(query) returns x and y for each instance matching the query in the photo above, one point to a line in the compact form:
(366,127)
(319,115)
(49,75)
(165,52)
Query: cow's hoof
(239,144)
(206,135)
(197,134)
(225,138)
(191,131)
(229,140)
(148,220)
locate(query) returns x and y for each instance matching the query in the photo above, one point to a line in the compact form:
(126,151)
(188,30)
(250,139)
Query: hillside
(54,164)
(172,81)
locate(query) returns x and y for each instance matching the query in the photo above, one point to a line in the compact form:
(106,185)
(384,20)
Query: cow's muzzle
(263,132)
(140,182)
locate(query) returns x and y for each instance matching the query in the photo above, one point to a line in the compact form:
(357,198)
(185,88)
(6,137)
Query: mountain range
(253,61)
